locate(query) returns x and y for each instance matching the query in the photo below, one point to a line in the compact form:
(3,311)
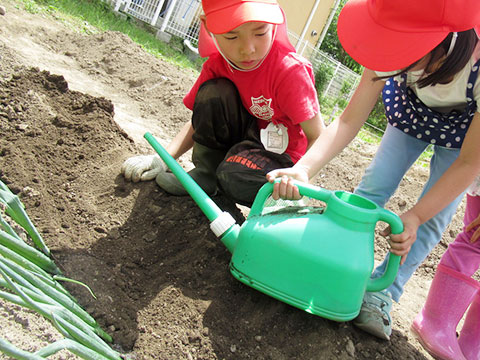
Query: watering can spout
(222,223)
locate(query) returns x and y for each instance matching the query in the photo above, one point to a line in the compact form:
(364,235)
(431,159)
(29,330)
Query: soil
(73,106)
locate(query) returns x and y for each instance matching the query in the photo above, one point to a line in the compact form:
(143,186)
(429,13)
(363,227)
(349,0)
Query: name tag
(274,138)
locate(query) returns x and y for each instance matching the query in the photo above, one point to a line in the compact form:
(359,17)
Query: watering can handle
(391,270)
(266,190)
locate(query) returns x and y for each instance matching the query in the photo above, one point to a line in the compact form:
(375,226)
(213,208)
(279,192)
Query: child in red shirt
(255,107)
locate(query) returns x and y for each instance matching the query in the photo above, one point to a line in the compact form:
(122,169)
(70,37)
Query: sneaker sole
(379,334)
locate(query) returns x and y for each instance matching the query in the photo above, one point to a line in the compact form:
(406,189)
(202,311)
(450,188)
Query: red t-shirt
(281,90)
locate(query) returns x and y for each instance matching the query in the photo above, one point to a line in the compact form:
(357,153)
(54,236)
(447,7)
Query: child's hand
(285,189)
(142,167)
(474,224)
(400,244)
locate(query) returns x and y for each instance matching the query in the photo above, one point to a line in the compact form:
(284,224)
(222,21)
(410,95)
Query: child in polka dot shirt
(423,57)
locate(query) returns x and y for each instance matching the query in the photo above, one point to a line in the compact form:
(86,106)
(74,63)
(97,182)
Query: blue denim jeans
(396,154)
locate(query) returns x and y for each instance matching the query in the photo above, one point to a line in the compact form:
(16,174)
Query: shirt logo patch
(261,108)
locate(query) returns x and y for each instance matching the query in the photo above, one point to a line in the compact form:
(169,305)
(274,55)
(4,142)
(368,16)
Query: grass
(93,16)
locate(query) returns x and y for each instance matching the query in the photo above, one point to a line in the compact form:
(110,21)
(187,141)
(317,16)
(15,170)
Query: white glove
(143,167)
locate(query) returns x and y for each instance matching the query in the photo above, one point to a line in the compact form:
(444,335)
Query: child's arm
(313,129)
(332,140)
(451,184)
(182,142)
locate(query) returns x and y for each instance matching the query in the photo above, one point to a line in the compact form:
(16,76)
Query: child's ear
(203,19)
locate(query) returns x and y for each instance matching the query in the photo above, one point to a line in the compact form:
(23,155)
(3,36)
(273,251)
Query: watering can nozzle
(222,223)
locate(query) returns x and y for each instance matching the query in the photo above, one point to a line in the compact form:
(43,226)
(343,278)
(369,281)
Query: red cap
(206,45)
(388,35)
(225,15)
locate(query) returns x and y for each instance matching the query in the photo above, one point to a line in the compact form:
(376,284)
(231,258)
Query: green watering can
(317,259)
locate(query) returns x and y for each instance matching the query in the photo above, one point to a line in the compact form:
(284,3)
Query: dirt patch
(73,107)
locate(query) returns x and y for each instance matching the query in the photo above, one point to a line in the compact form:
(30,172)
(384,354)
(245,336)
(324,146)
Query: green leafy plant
(323,74)
(29,278)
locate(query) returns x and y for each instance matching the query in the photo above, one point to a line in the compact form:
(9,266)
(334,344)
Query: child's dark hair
(456,61)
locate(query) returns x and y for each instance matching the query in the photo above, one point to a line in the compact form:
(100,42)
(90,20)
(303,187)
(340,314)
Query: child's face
(246,45)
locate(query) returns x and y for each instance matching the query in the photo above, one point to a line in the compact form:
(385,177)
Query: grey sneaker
(169,182)
(374,317)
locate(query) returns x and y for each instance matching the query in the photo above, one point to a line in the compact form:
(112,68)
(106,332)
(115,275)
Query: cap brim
(379,48)
(225,20)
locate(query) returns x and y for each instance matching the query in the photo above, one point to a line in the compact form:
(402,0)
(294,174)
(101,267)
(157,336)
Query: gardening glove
(142,167)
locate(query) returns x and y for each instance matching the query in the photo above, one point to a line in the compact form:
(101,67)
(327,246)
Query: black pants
(221,123)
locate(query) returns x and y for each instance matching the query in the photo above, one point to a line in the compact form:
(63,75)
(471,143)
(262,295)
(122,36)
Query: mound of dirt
(73,107)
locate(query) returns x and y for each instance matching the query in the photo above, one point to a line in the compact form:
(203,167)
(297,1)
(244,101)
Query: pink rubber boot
(448,298)
(469,339)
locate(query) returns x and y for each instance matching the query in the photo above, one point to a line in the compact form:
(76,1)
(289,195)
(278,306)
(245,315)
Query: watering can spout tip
(222,223)
(225,227)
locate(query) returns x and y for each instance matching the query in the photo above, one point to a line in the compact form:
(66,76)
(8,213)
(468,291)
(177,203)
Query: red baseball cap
(206,45)
(225,15)
(388,35)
